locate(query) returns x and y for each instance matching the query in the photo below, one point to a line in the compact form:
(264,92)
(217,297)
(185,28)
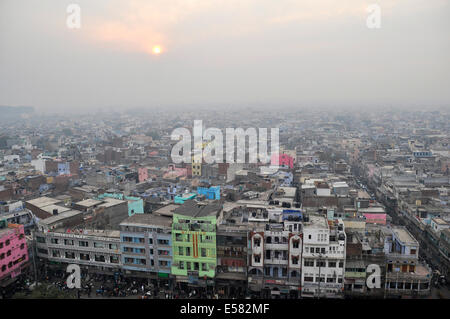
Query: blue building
(210,193)
(146,245)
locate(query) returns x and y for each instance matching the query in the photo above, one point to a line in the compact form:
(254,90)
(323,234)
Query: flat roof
(316,221)
(89,202)
(440,221)
(166,210)
(147,220)
(43,201)
(404,236)
(109,202)
(194,209)
(55,218)
(50,208)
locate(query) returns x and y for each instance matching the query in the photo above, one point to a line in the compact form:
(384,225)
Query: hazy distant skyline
(219,52)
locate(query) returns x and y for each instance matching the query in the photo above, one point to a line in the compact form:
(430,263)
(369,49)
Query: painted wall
(17,250)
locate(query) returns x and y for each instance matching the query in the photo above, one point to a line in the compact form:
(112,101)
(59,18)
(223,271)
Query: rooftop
(404,236)
(89,202)
(194,209)
(56,218)
(147,219)
(43,201)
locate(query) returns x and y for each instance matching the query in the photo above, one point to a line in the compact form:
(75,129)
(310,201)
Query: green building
(194,241)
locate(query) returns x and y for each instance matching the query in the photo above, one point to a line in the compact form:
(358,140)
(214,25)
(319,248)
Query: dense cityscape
(355,192)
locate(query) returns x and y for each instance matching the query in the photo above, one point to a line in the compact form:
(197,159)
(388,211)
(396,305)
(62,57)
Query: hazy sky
(309,52)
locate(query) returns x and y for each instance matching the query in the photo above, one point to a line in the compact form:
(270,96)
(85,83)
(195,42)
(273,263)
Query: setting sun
(157,49)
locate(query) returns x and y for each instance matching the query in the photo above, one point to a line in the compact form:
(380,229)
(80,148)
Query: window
(141,261)
(181,265)
(70,255)
(317,250)
(295,243)
(54,241)
(56,253)
(203,252)
(341,264)
(2,256)
(127,239)
(330,279)
(188,265)
(204,268)
(257,258)
(332,264)
(163,252)
(42,251)
(114,259)
(163,242)
(22,246)
(1,245)
(83,243)
(84,257)
(3,267)
(413,251)
(295,260)
(113,246)
(309,263)
(8,253)
(309,279)
(320,263)
(267,271)
(322,250)
(180,251)
(128,249)
(7,242)
(188,251)
(40,239)
(99,258)
(68,242)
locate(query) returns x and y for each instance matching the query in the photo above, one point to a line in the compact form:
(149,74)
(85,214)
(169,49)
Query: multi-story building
(13,251)
(404,273)
(324,244)
(194,243)
(94,250)
(146,245)
(231,272)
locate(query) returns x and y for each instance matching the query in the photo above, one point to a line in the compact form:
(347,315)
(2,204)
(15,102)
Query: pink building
(143,174)
(379,219)
(174,172)
(283,160)
(13,250)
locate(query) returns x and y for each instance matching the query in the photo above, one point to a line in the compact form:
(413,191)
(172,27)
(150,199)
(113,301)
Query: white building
(323,257)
